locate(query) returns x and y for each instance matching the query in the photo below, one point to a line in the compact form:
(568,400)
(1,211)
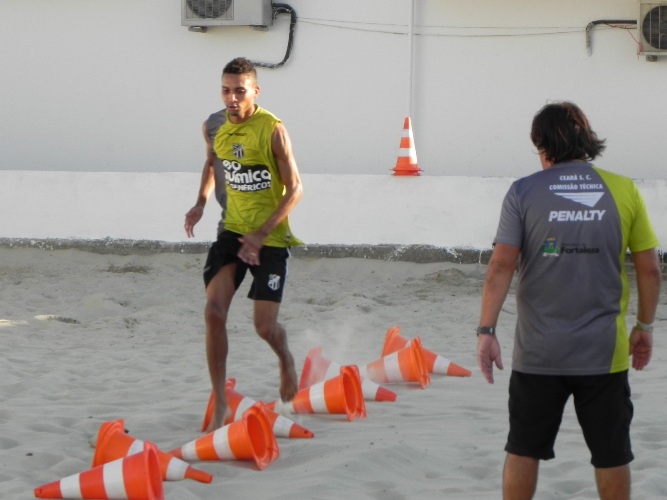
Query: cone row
(125,467)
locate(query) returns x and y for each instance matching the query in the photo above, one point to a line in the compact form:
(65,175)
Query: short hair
(240,66)
(562,131)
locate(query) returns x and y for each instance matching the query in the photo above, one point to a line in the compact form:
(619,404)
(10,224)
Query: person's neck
(240,119)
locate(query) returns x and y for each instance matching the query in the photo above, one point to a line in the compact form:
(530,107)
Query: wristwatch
(644,327)
(486,330)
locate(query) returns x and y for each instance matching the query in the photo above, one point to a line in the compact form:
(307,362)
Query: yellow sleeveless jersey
(253,183)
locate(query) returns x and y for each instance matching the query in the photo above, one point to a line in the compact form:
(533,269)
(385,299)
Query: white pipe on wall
(411,34)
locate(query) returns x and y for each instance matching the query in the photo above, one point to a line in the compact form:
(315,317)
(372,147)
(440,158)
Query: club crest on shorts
(238,150)
(274,282)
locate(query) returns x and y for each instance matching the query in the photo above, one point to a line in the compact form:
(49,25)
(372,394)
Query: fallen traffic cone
(250,438)
(434,362)
(237,404)
(404,365)
(338,395)
(406,164)
(136,477)
(114,443)
(316,368)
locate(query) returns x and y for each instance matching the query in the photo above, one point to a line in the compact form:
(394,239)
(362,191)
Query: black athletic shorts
(269,276)
(602,404)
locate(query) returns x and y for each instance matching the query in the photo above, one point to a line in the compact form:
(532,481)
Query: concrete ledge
(420,254)
(405,253)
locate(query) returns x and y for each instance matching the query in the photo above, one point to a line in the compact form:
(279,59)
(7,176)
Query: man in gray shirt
(568,228)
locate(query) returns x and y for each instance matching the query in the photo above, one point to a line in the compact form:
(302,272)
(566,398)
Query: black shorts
(269,276)
(602,404)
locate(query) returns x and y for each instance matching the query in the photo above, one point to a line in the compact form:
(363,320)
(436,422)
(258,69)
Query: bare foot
(220,413)
(288,383)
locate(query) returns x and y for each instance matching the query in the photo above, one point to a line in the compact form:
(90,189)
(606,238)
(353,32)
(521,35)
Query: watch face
(487,330)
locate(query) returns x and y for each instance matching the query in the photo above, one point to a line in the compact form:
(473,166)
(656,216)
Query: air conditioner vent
(226,12)
(211,9)
(653,28)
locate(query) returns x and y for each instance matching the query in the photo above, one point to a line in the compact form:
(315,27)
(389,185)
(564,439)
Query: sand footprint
(62,319)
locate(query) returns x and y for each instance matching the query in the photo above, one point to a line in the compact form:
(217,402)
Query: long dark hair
(562,131)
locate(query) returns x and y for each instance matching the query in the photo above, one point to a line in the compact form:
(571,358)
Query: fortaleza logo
(250,178)
(551,248)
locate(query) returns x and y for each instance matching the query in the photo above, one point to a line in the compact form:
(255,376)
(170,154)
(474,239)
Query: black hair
(562,131)
(240,66)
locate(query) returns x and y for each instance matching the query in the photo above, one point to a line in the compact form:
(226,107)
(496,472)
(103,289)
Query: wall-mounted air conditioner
(652,27)
(226,13)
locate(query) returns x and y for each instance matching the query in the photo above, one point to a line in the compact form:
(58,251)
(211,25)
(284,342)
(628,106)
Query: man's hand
(488,353)
(251,244)
(641,348)
(193,216)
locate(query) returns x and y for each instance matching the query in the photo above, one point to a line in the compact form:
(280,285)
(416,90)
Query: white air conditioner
(652,27)
(226,13)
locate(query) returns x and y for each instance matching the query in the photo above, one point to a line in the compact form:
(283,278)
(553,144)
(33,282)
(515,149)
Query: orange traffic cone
(404,365)
(136,477)
(250,438)
(339,395)
(113,443)
(406,164)
(434,362)
(316,368)
(237,404)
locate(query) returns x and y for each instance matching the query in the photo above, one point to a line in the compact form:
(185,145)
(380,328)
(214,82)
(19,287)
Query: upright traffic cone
(237,404)
(404,365)
(406,164)
(316,368)
(136,477)
(338,395)
(250,438)
(434,362)
(114,443)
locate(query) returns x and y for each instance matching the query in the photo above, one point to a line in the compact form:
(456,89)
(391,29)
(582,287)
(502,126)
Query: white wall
(91,85)
(451,212)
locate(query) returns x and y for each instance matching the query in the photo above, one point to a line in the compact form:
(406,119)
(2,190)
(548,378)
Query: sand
(88,338)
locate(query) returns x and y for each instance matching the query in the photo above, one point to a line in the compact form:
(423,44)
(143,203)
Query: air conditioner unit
(652,27)
(226,13)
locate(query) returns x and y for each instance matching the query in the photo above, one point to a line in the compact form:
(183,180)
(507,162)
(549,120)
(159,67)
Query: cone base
(401,172)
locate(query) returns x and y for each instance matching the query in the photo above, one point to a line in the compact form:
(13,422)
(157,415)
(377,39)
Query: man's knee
(270,331)
(265,331)
(214,313)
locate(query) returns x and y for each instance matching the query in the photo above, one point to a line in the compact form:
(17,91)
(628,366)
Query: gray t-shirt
(213,124)
(573,223)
